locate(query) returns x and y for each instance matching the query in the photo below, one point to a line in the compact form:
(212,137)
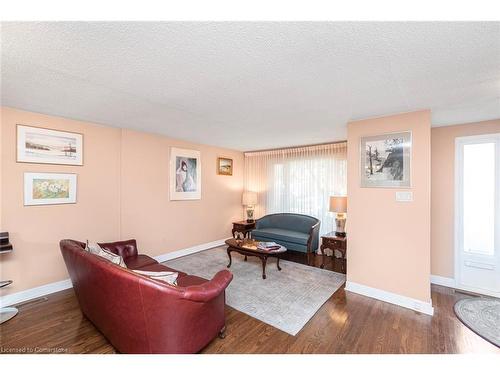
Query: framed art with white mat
(185,174)
(48,146)
(49,188)
(385,160)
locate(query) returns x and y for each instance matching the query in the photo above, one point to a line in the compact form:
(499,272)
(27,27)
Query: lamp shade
(338,204)
(249,198)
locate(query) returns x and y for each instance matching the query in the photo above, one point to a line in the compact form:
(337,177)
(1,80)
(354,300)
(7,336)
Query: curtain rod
(290,147)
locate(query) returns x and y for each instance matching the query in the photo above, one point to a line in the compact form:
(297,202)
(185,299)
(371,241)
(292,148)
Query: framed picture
(47,146)
(185,174)
(225,166)
(49,188)
(386,160)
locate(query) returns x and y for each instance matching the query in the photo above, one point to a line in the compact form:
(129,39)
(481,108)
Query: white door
(477,225)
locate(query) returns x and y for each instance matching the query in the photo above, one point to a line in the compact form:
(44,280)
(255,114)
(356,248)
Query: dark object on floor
(138,314)
(5,245)
(481,315)
(6,313)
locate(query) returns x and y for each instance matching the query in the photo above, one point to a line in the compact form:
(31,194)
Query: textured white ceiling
(250,85)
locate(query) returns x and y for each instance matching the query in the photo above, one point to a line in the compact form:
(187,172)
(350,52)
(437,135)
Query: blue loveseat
(294,231)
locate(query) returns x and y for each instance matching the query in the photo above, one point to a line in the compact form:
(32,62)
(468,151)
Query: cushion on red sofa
(168,277)
(124,249)
(158,267)
(139,261)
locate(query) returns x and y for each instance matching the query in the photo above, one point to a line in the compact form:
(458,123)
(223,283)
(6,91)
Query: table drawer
(337,244)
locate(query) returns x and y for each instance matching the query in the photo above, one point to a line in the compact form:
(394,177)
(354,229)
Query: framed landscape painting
(49,188)
(225,166)
(185,174)
(47,146)
(386,160)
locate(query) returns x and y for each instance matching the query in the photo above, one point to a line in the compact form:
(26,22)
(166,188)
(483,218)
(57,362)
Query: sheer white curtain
(298,180)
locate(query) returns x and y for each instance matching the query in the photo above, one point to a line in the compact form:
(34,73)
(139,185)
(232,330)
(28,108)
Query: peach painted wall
(122,193)
(36,230)
(443,189)
(389,241)
(161,225)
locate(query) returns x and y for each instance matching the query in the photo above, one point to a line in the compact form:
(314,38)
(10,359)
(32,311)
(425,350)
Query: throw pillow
(165,276)
(92,248)
(95,249)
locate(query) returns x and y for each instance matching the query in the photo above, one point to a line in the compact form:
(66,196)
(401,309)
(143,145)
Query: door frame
(458,207)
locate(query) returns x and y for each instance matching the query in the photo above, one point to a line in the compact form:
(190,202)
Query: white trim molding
(40,291)
(451,283)
(443,281)
(395,299)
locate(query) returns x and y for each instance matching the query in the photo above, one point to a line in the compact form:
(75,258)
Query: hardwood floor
(346,323)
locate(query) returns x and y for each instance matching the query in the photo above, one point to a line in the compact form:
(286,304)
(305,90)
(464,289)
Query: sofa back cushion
(293,222)
(124,249)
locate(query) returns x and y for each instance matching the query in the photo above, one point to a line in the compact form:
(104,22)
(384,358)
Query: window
(298,180)
(479,198)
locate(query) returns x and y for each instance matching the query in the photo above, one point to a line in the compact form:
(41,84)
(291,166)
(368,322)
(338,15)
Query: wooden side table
(333,242)
(243,227)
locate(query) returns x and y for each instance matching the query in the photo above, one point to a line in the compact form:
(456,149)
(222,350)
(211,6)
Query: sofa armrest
(209,290)
(313,242)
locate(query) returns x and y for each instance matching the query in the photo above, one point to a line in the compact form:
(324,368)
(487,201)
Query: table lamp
(249,200)
(338,205)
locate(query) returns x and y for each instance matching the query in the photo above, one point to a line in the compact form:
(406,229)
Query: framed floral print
(49,188)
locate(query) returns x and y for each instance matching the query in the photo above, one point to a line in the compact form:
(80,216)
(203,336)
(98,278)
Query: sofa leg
(222,333)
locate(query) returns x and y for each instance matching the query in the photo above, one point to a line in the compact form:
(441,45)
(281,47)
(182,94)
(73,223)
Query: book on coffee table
(268,246)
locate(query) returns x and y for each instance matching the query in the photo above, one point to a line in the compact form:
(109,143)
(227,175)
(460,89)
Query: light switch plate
(404,196)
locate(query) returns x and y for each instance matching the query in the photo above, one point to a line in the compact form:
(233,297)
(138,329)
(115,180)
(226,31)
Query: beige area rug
(287,299)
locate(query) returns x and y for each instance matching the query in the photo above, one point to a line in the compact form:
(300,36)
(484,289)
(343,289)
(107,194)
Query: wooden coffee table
(237,246)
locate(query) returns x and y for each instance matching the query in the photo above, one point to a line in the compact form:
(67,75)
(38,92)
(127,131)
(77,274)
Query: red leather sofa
(138,314)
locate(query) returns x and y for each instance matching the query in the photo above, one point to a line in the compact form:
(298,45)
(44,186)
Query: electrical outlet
(404,196)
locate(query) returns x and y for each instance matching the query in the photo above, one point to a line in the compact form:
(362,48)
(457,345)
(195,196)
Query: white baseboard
(40,291)
(395,299)
(189,250)
(451,283)
(26,295)
(443,281)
